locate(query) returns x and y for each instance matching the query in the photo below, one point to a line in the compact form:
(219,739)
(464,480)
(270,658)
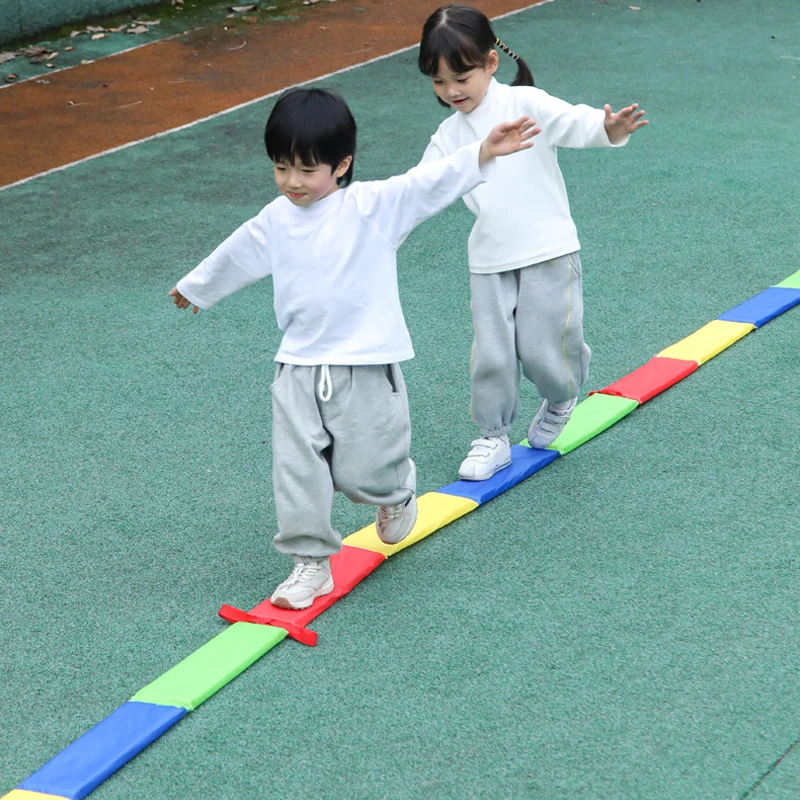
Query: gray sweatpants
(533,316)
(357,442)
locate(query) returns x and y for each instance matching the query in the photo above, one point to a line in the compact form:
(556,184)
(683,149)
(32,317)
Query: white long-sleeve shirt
(523,214)
(334,264)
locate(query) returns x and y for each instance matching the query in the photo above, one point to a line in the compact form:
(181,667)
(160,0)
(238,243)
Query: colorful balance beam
(83,765)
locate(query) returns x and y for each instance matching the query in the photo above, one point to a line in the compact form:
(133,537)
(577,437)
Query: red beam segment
(650,379)
(349,567)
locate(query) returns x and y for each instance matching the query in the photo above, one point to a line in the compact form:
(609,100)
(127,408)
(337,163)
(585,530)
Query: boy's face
(464,91)
(304,184)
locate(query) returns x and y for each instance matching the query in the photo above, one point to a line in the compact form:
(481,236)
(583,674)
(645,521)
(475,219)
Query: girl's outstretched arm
(623,123)
(507,138)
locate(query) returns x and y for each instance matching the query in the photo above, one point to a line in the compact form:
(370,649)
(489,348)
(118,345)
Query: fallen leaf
(7,57)
(50,66)
(119,28)
(635,8)
(43,83)
(138,29)
(176,2)
(98,36)
(41,57)
(272,8)
(68,49)
(239,47)
(87,61)
(146,22)
(95,28)
(76,33)
(237,9)
(11,77)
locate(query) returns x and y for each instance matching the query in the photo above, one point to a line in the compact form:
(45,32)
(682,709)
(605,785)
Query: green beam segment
(792,282)
(207,670)
(590,417)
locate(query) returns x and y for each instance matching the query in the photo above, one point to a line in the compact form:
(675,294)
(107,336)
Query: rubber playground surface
(622,624)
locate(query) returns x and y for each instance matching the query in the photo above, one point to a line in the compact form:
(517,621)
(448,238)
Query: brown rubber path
(122,98)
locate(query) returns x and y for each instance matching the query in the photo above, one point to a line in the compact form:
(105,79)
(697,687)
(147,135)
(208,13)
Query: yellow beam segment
(707,342)
(434,511)
(23,794)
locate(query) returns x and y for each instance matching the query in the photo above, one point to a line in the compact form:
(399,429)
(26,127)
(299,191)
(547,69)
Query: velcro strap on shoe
(300,634)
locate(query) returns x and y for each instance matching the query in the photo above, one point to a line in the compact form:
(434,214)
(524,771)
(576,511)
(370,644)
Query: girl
(339,406)
(525,273)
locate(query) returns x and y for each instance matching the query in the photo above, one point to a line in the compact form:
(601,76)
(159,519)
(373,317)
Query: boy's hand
(623,123)
(180,300)
(508,137)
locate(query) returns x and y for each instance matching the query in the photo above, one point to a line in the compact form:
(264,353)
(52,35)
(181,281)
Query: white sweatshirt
(523,215)
(334,263)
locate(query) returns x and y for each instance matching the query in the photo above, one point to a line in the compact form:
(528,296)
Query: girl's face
(304,184)
(464,91)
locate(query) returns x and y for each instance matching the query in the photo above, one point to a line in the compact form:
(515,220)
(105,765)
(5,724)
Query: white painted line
(233,108)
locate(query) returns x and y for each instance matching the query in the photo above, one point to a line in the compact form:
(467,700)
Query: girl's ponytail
(524,76)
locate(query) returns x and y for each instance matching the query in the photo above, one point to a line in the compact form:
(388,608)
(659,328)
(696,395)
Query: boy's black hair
(463,37)
(314,126)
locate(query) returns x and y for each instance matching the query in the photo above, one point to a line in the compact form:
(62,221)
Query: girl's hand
(623,123)
(180,300)
(508,137)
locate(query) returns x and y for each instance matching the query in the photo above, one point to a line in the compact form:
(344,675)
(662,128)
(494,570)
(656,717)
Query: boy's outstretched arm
(507,138)
(180,300)
(623,123)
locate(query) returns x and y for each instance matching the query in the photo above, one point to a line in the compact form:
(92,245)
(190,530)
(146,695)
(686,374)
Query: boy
(340,410)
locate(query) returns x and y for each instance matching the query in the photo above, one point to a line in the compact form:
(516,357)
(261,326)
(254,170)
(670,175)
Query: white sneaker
(394,523)
(549,421)
(488,455)
(310,578)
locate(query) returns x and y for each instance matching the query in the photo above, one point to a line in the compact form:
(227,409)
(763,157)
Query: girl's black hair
(314,126)
(463,37)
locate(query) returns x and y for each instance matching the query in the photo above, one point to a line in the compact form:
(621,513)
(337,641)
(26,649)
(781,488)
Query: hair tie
(506,49)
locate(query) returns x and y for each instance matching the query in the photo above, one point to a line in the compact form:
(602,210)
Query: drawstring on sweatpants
(325,387)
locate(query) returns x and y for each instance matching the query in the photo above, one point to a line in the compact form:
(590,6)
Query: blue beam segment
(763,307)
(524,462)
(82,766)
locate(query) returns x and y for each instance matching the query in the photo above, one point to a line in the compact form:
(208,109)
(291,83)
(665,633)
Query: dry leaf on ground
(98,36)
(237,9)
(95,28)
(138,29)
(7,57)
(11,77)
